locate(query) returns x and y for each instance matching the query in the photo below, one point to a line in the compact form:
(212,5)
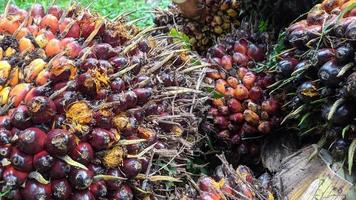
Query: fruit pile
(216,18)
(241,108)
(228,183)
(317,72)
(90,109)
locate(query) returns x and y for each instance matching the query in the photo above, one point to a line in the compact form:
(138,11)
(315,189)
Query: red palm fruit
(83,153)
(18,93)
(230,92)
(53,47)
(59,142)
(43,162)
(223,135)
(41,109)
(34,190)
(118,62)
(72,49)
(143,95)
(256,53)
(270,106)
(32,140)
(218,51)
(5,151)
(232,81)
(82,195)
(247,129)
(329,5)
(59,170)
(5,122)
(264,127)
(236,118)
(99,189)
(55,11)
(104,51)
(61,189)
(209,196)
(223,110)
(21,161)
(220,86)
(67,98)
(34,92)
(87,26)
(133,148)
(206,184)
(101,139)
(249,79)
(117,85)
(241,92)
(131,167)
(51,22)
(37,11)
(124,192)
(5,136)
(71,27)
(131,127)
(33,29)
(221,121)
(240,59)
(114,185)
(89,63)
(226,62)
(14,177)
(213,112)
(241,71)
(241,46)
(43,77)
(80,179)
(255,93)
(20,117)
(218,102)
(251,117)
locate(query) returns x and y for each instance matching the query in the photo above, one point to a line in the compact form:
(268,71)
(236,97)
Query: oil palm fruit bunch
(227,183)
(317,72)
(90,108)
(241,110)
(215,18)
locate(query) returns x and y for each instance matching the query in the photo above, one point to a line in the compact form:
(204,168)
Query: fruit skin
(59,142)
(124,192)
(34,191)
(13,177)
(61,189)
(32,140)
(21,161)
(328,73)
(80,179)
(82,195)
(59,170)
(43,162)
(131,167)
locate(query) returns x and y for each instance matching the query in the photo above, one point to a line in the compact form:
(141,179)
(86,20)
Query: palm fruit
(228,183)
(316,73)
(216,18)
(91,108)
(241,110)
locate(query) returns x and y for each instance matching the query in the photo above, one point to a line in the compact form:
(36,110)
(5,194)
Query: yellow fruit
(5,68)
(4,95)
(32,70)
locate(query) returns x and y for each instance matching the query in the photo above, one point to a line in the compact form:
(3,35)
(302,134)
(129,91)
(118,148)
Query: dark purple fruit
(80,179)
(61,189)
(101,139)
(124,192)
(34,191)
(59,170)
(324,55)
(42,161)
(83,153)
(344,54)
(82,195)
(32,140)
(41,109)
(286,67)
(307,91)
(131,167)
(20,118)
(21,161)
(59,142)
(343,114)
(99,189)
(328,73)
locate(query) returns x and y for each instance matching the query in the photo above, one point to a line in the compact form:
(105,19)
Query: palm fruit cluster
(90,108)
(241,108)
(216,18)
(316,71)
(227,183)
